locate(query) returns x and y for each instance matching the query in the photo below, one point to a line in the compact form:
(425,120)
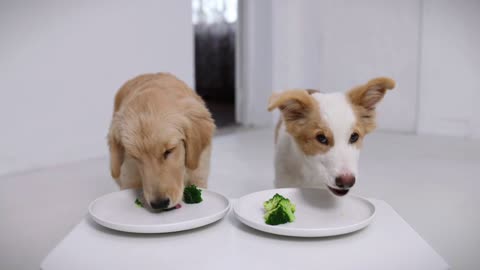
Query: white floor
(430,181)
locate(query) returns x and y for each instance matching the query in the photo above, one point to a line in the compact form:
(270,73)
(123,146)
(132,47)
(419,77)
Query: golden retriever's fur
(160,137)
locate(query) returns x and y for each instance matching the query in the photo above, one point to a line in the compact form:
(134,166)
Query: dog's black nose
(345,181)
(160,203)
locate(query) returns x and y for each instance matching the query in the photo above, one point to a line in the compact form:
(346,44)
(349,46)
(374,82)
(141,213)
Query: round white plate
(318,212)
(118,211)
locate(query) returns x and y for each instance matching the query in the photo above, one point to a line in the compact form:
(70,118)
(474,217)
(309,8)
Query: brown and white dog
(160,138)
(319,136)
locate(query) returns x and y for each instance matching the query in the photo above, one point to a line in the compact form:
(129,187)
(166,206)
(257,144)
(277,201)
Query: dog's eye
(167,153)
(322,139)
(354,137)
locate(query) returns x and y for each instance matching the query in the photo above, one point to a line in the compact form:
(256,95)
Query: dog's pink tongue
(173,208)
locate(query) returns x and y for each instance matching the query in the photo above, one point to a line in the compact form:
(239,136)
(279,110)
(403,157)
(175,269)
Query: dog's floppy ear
(294,104)
(117,154)
(198,131)
(369,94)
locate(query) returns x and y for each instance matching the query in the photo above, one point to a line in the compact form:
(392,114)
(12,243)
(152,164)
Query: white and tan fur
(309,117)
(160,138)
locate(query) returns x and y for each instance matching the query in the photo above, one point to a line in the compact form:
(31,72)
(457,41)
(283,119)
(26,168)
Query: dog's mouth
(338,192)
(177,206)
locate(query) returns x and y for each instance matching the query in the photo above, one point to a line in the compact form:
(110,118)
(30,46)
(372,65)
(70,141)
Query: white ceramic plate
(318,212)
(118,211)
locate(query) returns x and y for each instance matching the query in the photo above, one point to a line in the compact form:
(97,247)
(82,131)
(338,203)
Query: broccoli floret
(279,210)
(280,214)
(138,203)
(292,206)
(288,204)
(191,194)
(273,202)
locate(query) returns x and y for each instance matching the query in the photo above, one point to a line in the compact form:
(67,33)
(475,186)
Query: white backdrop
(61,64)
(429,47)
(334,46)
(450,74)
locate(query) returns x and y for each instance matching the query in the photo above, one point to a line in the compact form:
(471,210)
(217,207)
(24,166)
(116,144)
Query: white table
(388,243)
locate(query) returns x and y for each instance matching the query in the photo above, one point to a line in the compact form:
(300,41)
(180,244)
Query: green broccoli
(191,194)
(280,214)
(292,206)
(138,203)
(279,210)
(273,202)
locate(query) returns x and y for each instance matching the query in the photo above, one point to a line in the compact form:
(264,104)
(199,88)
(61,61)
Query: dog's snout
(160,203)
(345,181)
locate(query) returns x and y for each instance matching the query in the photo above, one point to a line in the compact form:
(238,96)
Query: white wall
(61,64)
(450,68)
(335,45)
(430,47)
(254,62)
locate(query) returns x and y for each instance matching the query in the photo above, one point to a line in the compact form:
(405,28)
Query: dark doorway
(214,29)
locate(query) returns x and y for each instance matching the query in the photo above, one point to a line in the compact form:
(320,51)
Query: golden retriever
(160,138)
